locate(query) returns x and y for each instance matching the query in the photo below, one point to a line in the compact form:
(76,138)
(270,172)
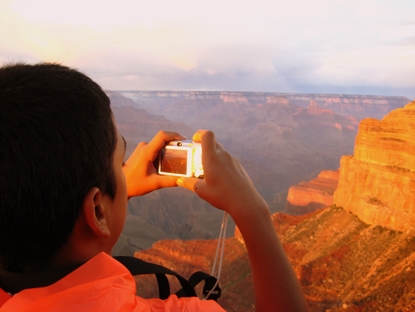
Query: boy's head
(57,141)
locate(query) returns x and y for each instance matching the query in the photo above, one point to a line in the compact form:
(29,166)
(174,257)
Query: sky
(320,46)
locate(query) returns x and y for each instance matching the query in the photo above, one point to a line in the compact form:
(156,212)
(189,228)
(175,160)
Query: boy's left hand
(139,171)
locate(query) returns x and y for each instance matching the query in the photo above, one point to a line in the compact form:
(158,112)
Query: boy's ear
(94,213)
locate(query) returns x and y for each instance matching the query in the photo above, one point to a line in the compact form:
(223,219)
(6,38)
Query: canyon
(279,143)
(356,254)
(281,139)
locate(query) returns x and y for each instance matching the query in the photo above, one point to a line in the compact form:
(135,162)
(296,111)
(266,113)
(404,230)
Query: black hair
(57,141)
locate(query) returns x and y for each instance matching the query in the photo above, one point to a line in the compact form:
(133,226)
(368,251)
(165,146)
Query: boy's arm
(228,187)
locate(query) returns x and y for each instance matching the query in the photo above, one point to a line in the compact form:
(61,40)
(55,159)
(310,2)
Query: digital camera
(182,159)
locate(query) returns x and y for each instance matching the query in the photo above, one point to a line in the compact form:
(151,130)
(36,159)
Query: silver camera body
(182,159)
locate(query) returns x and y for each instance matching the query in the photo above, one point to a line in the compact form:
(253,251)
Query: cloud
(218,45)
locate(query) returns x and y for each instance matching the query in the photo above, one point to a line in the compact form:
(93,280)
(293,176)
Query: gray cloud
(320,46)
(176,79)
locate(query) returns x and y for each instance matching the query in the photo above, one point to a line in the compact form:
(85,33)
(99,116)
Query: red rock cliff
(377,184)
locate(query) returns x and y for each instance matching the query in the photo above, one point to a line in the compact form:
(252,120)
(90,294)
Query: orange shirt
(101,284)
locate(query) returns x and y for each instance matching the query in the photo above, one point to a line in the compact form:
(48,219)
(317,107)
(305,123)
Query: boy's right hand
(226,184)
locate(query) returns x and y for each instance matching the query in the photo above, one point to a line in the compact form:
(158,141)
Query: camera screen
(174,161)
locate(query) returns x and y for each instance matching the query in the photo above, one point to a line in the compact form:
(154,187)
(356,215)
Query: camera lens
(179,143)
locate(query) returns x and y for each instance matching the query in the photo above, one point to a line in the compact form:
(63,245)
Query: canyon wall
(378,183)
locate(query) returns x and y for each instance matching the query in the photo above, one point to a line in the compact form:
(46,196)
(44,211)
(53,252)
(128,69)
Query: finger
(208,141)
(159,140)
(136,153)
(141,145)
(164,181)
(192,184)
(197,137)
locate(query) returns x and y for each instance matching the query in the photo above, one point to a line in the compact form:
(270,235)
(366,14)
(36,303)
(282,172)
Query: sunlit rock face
(344,264)
(378,183)
(311,195)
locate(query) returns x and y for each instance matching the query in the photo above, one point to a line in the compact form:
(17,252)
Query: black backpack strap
(210,282)
(138,267)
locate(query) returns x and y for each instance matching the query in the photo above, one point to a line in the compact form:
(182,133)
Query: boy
(64,188)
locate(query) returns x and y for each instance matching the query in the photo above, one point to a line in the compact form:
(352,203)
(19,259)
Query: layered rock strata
(359,106)
(312,195)
(378,183)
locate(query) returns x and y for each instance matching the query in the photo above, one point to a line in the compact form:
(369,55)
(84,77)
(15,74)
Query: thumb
(191,184)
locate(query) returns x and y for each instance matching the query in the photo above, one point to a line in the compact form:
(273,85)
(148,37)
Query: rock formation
(312,195)
(378,183)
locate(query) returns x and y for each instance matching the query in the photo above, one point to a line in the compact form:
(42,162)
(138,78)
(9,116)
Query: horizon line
(260,92)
